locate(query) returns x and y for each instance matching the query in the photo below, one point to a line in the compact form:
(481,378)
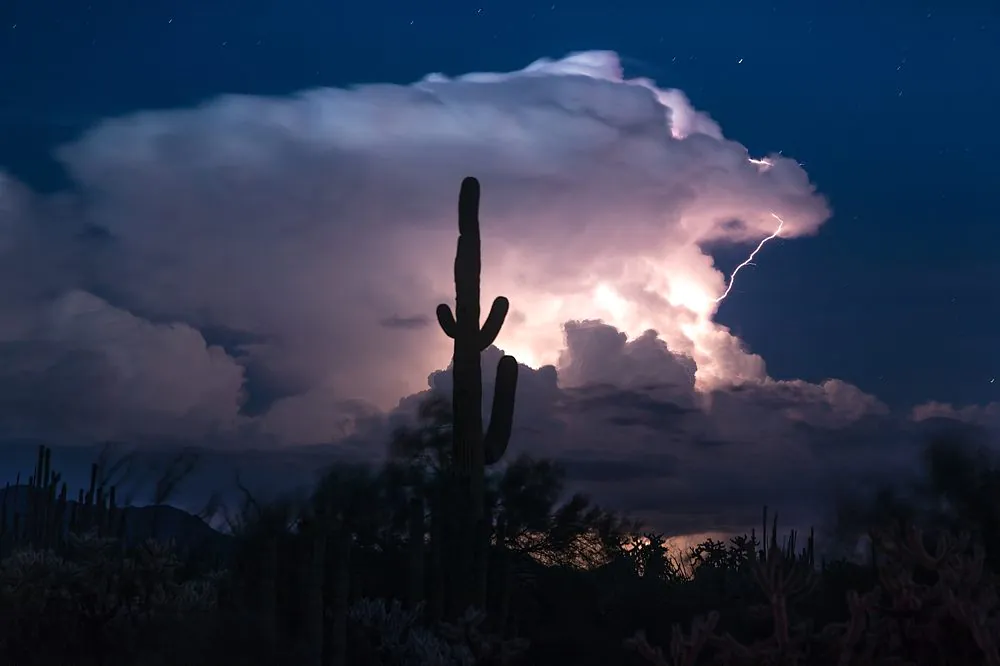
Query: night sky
(891,110)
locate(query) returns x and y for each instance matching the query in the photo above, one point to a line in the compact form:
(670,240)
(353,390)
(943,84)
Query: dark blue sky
(892,110)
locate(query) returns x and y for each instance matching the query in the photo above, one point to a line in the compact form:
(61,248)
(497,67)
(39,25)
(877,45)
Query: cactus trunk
(312,578)
(504,576)
(415,546)
(268,596)
(472,449)
(436,591)
(342,589)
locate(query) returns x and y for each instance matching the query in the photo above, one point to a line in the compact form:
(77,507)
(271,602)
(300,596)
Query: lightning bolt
(749,260)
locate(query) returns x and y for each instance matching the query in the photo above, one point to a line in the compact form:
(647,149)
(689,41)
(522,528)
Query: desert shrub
(94,602)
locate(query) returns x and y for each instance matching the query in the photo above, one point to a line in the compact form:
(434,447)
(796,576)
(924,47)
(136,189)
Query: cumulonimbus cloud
(263,269)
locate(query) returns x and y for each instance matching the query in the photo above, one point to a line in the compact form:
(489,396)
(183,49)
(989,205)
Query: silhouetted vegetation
(440,556)
(358,574)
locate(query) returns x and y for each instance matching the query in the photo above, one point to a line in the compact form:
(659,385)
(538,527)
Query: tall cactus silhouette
(472,449)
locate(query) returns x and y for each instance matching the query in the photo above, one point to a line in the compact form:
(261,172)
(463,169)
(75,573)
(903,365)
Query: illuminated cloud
(261,271)
(310,220)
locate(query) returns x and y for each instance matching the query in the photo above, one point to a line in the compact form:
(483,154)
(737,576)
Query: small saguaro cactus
(473,449)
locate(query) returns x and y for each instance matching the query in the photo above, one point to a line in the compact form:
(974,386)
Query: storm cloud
(259,272)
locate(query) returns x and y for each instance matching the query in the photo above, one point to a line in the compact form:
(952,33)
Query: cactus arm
(447,320)
(502,414)
(494,322)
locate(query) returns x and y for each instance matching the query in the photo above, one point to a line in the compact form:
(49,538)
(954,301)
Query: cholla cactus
(933,606)
(481,647)
(94,597)
(684,650)
(195,595)
(964,590)
(394,634)
(31,579)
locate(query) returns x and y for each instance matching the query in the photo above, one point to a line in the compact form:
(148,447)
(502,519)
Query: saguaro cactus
(472,449)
